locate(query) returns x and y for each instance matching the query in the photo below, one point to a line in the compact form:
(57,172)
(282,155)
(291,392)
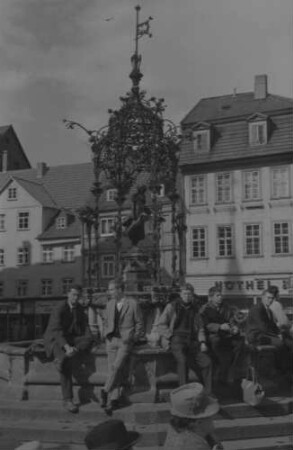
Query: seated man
(181,327)
(262,329)
(225,341)
(67,333)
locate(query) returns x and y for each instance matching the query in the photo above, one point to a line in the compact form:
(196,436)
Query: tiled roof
(72,230)
(230,137)
(4,128)
(38,191)
(230,106)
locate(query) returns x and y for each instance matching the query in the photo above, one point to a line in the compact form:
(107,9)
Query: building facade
(236,164)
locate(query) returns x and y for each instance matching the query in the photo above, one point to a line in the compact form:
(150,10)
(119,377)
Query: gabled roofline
(10,129)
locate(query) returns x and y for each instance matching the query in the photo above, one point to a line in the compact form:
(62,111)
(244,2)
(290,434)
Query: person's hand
(225,327)
(203,347)
(234,329)
(69,350)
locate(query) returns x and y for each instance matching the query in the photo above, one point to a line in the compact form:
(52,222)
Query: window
(108,266)
(23,256)
(22,288)
(251,185)
(2,222)
(280,182)
(161,192)
(258,133)
(47,254)
(23,221)
(66,285)
(253,240)
(281,238)
(201,140)
(1,288)
(225,240)
(12,194)
(199,242)
(2,257)
(111,195)
(61,223)
(224,187)
(107,226)
(69,253)
(198,190)
(46,287)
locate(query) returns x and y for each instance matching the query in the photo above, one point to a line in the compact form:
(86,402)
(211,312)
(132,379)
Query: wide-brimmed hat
(191,401)
(110,435)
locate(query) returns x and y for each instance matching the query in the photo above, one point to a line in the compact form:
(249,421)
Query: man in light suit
(67,334)
(123,327)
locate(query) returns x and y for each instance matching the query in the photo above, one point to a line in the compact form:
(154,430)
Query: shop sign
(10,307)
(253,286)
(45,306)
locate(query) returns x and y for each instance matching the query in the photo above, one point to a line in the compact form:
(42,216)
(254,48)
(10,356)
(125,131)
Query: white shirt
(279,314)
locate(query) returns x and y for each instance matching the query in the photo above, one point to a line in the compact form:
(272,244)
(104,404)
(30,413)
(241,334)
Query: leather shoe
(70,406)
(104,398)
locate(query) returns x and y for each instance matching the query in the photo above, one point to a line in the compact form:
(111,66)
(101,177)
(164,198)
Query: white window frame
(199,144)
(47,254)
(108,266)
(22,288)
(67,282)
(111,195)
(2,222)
(282,235)
(255,137)
(23,256)
(61,223)
(251,188)
(107,226)
(2,257)
(224,188)
(280,182)
(202,242)
(225,242)
(23,220)
(254,237)
(68,253)
(198,190)
(46,287)
(12,194)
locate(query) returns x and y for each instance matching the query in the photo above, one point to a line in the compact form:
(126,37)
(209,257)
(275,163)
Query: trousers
(118,353)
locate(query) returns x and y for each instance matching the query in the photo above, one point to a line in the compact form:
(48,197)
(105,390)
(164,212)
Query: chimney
(260,87)
(4,160)
(41,169)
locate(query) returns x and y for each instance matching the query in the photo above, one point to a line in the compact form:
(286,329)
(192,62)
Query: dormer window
(61,223)
(201,137)
(12,193)
(258,130)
(111,195)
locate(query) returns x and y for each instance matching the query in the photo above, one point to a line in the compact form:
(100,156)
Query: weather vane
(141,29)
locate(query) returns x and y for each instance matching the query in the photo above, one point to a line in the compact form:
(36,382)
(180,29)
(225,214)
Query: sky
(71,59)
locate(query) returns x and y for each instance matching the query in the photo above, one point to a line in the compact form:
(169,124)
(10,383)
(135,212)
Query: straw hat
(191,401)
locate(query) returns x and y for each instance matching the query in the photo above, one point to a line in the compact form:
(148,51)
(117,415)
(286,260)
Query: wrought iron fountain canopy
(137,139)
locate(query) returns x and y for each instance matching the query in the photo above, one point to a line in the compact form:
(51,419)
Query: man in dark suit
(262,329)
(67,334)
(123,327)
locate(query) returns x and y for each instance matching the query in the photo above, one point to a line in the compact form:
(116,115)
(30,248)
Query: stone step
(139,413)
(74,429)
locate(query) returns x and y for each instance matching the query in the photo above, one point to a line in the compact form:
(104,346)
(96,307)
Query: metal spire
(141,29)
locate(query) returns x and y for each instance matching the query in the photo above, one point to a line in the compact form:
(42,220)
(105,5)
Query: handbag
(253,392)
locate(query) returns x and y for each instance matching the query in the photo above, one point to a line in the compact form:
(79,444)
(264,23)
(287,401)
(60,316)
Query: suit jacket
(130,320)
(260,325)
(214,317)
(62,326)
